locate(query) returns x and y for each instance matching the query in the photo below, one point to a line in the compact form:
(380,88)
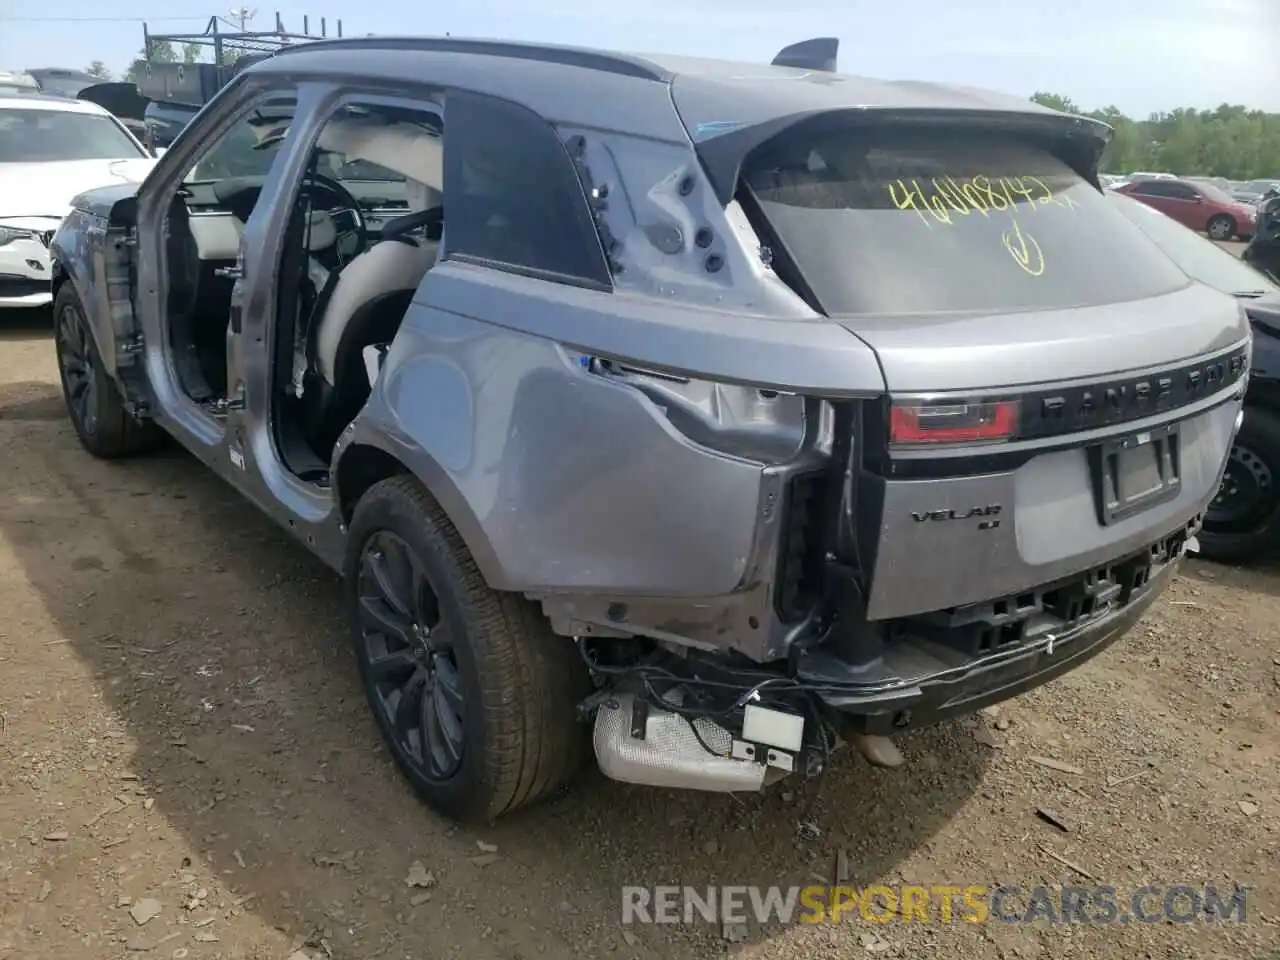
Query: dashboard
(218,211)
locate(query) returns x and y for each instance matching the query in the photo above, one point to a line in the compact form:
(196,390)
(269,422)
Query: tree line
(1230,141)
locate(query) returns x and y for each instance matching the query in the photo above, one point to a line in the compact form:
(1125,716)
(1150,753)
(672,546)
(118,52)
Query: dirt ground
(181,728)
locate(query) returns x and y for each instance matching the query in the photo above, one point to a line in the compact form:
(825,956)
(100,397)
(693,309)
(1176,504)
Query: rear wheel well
(359,469)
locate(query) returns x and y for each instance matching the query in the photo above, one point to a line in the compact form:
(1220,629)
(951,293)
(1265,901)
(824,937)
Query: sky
(1142,56)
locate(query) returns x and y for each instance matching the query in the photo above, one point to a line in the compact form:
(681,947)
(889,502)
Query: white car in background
(52,149)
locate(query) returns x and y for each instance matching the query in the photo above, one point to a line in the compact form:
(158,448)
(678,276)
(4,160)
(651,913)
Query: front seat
(363,305)
(368,300)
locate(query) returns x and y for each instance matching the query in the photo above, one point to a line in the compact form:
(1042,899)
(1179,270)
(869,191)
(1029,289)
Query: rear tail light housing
(924,424)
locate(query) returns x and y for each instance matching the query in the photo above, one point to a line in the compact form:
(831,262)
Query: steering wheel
(317,186)
(401,227)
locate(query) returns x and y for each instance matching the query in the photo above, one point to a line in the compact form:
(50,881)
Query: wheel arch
(83,274)
(57,277)
(362,463)
(60,279)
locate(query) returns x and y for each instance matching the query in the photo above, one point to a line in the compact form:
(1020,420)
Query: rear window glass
(911,221)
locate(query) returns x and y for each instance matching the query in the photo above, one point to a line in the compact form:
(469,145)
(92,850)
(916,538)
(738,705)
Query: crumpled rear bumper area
(934,668)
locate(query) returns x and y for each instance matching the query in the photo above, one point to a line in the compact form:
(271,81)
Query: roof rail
(816,54)
(604,61)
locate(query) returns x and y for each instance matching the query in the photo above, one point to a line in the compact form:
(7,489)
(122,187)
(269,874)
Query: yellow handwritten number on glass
(1024,249)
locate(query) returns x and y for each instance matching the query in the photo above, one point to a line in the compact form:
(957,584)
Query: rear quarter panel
(557,480)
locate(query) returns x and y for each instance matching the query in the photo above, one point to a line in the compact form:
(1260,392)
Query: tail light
(911,425)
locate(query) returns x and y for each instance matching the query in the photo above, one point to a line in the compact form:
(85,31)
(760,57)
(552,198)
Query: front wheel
(1221,227)
(1242,523)
(98,416)
(472,692)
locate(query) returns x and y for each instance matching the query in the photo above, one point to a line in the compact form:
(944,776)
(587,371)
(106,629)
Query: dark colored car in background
(164,121)
(1243,521)
(1200,206)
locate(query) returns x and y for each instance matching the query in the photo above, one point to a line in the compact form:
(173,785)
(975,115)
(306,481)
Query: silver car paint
(1054,532)
(990,351)
(578,488)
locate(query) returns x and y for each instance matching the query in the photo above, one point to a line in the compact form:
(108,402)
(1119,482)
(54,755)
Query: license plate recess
(1136,472)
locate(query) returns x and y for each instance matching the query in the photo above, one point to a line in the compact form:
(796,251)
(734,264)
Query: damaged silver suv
(722,411)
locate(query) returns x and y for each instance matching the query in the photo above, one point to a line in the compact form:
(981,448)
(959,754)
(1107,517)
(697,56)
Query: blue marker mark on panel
(716,128)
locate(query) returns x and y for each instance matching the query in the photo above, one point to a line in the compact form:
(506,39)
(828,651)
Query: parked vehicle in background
(1144,175)
(122,100)
(14,83)
(1263,251)
(164,121)
(1200,206)
(62,82)
(1111,180)
(52,148)
(1222,183)
(1251,191)
(858,410)
(1243,520)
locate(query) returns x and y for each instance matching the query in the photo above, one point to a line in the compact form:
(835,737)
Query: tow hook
(879,751)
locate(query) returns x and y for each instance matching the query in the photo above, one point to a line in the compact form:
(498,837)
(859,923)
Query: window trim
(603,283)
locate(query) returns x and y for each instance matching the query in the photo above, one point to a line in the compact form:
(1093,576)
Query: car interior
(364,229)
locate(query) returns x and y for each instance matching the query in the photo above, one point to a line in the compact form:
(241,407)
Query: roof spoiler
(816,54)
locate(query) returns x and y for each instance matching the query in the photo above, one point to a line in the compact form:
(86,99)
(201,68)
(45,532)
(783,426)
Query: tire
(1244,531)
(519,684)
(1221,227)
(102,424)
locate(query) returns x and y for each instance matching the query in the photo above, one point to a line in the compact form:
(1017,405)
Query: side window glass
(1180,191)
(247,149)
(513,198)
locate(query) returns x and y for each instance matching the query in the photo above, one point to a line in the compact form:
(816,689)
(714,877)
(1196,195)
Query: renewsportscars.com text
(909,903)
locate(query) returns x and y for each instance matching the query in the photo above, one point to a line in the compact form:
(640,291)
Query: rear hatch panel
(990,352)
(961,537)
(978,259)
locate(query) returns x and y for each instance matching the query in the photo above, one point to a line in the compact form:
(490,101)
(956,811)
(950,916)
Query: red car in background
(1200,206)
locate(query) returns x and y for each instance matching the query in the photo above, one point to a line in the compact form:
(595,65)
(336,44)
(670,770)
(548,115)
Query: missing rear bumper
(921,681)
(716,721)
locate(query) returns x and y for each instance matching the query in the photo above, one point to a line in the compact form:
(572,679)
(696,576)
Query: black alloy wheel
(1242,523)
(410,663)
(98,415)
(474,695)
(77,365)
